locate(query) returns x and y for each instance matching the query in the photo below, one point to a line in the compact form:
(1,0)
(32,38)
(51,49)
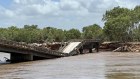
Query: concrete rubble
(120,47)
(129,47)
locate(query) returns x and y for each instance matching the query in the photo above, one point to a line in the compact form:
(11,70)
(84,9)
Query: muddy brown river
(103,65)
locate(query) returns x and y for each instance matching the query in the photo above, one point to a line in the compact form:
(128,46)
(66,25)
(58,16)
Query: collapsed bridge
(24,52)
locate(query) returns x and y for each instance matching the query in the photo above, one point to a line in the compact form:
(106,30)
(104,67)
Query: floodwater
(103,65)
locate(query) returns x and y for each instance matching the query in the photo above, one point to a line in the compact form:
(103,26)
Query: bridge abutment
(14,57)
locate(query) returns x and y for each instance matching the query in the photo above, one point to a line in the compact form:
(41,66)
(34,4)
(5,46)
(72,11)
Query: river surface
(103,65)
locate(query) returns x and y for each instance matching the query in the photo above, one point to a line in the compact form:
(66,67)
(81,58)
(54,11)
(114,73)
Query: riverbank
(120,47)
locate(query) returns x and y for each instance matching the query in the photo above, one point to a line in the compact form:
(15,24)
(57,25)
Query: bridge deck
(75,45)
(19,46)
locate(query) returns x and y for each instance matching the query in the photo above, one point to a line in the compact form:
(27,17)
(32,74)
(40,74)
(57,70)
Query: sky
(63,14)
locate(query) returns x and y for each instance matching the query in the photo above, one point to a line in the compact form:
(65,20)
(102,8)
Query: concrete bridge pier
(92,45)
(14,57)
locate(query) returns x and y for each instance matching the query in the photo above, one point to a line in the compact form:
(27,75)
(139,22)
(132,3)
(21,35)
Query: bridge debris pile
(120,47)
(135,47)
(129,47)
(109,46)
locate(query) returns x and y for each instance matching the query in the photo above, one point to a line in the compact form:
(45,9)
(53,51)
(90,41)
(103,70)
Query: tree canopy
(32,34)
(121,23)
(92,32)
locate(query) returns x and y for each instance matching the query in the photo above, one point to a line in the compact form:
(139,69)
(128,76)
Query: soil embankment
(120,47)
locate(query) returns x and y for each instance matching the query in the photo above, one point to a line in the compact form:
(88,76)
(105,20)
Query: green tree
(118,24)
(72,34)
(12,33)
(92,32)
(30,34)
(30,26)
(4,33)
(53,34)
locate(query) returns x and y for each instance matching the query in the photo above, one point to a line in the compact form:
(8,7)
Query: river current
(102,65)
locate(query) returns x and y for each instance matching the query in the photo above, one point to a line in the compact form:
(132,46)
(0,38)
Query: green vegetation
(92,32)
(32,34)
(121,24)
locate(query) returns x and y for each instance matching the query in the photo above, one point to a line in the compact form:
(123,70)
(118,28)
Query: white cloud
(128,3)
(17,1)
(70,5)
(5,13)
(59,13)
